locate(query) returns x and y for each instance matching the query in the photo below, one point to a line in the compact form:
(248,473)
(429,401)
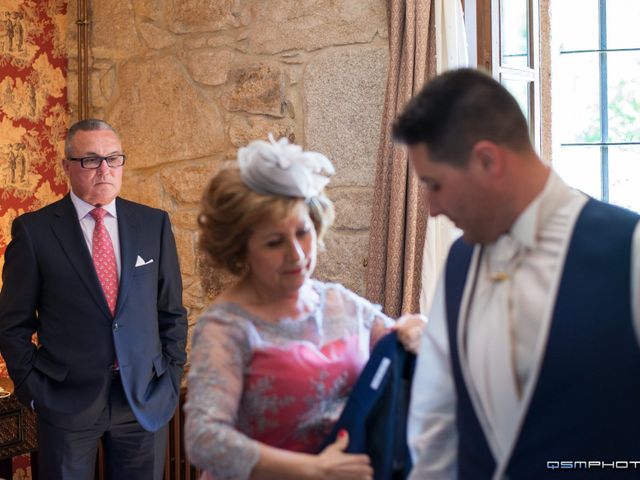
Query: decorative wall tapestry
(33,118)
(33,107)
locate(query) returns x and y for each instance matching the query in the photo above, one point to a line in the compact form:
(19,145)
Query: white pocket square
(140,261)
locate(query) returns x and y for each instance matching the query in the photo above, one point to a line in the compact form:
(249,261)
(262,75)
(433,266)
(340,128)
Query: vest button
(116,327)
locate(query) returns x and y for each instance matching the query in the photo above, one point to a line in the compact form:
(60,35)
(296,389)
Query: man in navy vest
(530,365)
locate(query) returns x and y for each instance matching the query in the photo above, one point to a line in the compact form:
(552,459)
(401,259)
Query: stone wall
(187,82)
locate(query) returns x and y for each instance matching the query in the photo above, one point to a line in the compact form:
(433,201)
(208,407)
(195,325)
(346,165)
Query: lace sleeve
(219,353)
(367,314)
(374,319)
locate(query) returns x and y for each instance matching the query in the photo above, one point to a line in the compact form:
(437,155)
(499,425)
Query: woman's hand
(409,329)
(334,463)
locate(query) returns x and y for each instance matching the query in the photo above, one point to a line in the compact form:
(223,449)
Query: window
(515,61)
(596,97)
(508,47)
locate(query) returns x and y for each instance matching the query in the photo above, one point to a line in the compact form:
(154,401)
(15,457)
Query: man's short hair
(86,125)
(456,110)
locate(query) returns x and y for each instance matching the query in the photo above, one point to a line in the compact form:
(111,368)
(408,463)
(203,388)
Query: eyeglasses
(94,162)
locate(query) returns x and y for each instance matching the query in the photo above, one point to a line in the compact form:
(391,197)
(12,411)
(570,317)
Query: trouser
(131,452)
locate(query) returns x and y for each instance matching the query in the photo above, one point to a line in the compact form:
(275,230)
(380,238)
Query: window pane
(580,168)
(514,33)
(576,23)
(577,98)
(623,18)
(520,90)
(624,96)
(624,176)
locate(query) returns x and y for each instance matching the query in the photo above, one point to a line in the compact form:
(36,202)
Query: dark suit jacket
(50,286)
(376,412)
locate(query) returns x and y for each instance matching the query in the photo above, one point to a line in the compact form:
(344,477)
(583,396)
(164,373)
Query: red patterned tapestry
(33,117)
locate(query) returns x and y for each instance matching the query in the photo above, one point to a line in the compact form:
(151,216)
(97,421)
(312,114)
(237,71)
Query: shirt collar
(538,212)
(83,208)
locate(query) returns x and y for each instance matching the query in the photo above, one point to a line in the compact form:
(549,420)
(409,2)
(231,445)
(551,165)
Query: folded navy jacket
(376,412)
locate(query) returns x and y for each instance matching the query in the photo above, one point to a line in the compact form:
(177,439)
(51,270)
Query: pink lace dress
(280,383)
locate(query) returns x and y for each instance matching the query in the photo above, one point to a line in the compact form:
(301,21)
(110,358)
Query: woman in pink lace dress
(274,358)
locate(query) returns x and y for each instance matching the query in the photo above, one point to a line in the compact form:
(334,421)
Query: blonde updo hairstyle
(230,210)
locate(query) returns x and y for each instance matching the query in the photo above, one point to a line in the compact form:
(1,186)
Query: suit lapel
(128,232)
(66,228)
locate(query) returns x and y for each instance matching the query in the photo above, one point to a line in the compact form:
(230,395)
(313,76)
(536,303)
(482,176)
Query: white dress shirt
(87,224)
(501,349)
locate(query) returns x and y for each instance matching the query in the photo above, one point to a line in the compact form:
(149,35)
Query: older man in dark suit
(97,277)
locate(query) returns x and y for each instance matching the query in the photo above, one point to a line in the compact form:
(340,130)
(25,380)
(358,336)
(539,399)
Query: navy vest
(586,403)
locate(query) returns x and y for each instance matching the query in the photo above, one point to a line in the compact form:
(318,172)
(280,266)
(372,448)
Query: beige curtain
(399,217)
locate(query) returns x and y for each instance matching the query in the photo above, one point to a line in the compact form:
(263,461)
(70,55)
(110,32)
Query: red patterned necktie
(104,259)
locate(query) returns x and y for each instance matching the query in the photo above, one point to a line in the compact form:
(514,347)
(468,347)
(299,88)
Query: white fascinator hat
(283,168)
